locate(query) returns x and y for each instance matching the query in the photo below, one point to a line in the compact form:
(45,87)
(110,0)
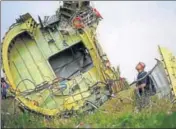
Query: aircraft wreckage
(57,66)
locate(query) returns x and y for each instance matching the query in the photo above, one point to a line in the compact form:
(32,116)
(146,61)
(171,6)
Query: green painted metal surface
(26,50)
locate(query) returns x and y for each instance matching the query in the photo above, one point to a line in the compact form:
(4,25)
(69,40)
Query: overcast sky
(129,32)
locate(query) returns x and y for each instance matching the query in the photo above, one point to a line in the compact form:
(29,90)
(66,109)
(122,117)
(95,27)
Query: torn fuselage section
(55,48)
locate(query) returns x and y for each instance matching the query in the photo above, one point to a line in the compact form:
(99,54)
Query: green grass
(97,120)
(114,113)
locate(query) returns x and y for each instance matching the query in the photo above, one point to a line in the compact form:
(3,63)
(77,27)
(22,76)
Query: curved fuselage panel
(33,58)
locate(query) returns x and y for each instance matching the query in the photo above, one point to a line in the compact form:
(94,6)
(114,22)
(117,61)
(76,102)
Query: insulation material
(160,80)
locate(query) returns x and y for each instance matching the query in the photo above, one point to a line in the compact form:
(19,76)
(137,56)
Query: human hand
(136,88)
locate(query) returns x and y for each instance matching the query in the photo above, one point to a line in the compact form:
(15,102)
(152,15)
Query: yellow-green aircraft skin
(169,63)
(26,54)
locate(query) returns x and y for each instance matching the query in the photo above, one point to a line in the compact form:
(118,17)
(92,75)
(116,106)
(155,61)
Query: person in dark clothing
(141,85)
(4,87)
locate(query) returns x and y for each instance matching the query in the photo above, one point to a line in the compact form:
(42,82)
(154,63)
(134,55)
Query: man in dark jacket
(141,85)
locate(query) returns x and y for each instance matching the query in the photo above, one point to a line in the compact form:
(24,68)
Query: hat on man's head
(141,64)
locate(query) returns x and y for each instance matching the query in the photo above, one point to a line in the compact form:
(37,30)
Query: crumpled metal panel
(48,20)
(161,80)
(26,48)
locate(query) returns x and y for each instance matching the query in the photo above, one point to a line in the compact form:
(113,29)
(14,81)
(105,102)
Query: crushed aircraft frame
(33,56)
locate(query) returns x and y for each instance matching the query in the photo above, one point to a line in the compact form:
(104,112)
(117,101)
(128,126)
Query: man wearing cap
(141,86)
(142,83)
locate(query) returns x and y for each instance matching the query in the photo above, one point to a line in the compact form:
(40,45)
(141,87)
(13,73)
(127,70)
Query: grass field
(117,112)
